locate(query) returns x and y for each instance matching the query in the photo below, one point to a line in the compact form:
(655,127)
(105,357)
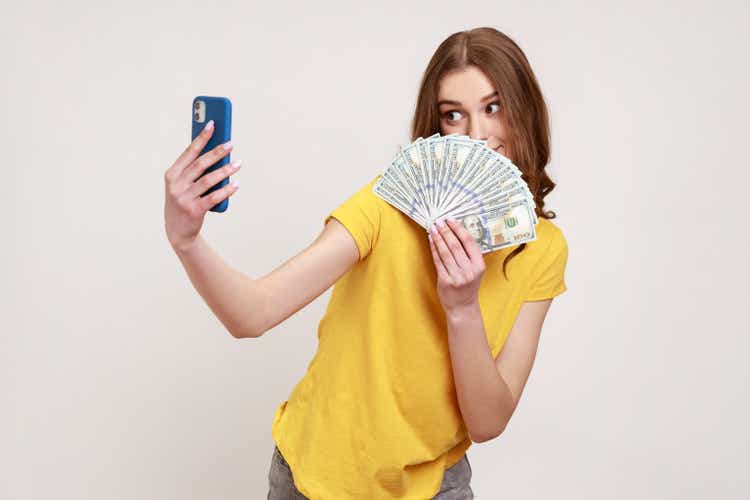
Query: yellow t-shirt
(376,416)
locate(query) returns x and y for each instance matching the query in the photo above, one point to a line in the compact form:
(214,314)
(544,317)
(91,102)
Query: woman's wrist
(184,247)
(460,314)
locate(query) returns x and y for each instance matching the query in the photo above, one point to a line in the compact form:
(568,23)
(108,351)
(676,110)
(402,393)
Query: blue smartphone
(218,109)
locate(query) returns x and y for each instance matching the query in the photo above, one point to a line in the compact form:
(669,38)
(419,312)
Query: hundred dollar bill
(490,163)
(504,185)
(435,149)
(503,227)
(398,182)
(461,153)
(442,164)
(397,179)
(392,183)
(387,192)
(498,202)
(488,182)
(410,182)
(479,178)
(412,162)
(512,186)
(425,159)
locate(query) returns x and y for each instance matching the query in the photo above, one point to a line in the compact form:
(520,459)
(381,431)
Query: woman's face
(468,105)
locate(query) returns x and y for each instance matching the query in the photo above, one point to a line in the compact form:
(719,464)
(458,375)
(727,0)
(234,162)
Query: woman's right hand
(184,208)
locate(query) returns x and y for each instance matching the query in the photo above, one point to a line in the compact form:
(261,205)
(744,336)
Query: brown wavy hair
(524,108)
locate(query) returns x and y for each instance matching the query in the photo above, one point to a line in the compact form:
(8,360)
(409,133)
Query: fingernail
(236,164)
(236,183)
(440,223)
(209,125)
(227,145)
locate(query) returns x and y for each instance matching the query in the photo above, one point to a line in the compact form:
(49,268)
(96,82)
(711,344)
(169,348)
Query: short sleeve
(549,280)
(360,214)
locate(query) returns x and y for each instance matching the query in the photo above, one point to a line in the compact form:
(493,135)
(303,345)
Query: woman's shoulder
(549,238)
(549,229)
(377,201)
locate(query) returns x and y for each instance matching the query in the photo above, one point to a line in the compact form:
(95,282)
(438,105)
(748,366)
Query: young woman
(426,344)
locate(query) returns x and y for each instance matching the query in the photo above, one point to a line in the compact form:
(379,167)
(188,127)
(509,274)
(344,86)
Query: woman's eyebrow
(457,103)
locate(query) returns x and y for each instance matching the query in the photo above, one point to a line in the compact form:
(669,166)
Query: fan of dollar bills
(456,176)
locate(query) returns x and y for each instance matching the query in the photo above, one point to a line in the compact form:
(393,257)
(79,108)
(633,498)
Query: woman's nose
(477,130)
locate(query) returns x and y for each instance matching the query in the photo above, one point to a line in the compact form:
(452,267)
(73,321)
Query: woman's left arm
(488,389)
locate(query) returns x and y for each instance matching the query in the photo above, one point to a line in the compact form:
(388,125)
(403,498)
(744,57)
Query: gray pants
(455,484)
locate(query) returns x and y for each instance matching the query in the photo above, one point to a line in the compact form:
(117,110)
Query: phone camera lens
(197,105)
(197,116)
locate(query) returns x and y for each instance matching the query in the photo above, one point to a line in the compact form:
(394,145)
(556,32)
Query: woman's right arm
(247,307)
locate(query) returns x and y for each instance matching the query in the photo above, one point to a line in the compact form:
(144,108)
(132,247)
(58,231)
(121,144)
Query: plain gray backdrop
(117,382)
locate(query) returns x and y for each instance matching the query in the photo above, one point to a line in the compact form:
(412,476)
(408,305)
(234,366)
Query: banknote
(456,176)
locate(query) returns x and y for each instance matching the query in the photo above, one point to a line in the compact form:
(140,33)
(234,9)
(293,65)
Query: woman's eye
(494,104)
(449,114)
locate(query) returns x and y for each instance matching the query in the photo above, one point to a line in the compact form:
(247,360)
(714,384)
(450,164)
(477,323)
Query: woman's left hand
(459,264)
